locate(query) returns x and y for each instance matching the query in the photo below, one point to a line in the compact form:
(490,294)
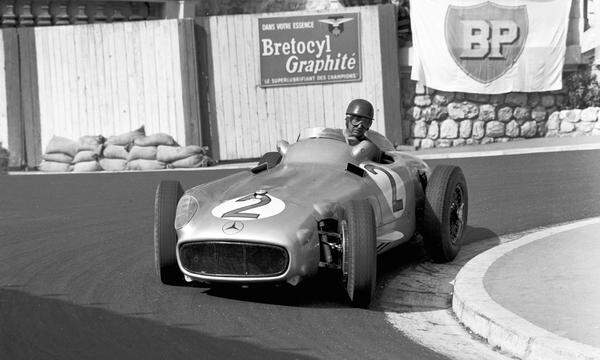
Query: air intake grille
(219,258)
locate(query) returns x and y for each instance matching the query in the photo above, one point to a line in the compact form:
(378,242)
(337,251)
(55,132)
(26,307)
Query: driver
(359,117)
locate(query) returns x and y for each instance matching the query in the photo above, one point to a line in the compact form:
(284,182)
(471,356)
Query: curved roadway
(77,276)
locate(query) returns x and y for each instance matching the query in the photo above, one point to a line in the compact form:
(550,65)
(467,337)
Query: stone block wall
(443,119)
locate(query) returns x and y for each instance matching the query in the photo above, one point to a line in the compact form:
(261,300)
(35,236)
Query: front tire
(357,228)
(167,196)
(445,213)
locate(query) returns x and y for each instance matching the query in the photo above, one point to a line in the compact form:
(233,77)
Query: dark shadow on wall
(35,327)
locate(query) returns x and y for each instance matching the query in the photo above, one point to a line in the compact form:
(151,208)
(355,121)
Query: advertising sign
(315,49)
(490,47)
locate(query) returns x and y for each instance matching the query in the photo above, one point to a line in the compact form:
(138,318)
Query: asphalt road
(77,278)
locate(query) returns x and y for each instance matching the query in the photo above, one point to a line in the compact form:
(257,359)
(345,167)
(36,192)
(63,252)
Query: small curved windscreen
(321,132)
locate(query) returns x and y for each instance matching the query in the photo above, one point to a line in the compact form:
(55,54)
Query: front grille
(219,258)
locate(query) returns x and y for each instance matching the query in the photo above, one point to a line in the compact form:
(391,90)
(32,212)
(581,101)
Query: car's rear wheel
(168,194)
(445,213)
(357,228)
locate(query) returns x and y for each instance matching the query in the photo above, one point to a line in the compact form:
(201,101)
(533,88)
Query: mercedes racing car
(316,203)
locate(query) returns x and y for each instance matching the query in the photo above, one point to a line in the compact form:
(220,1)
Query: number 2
(397,204)
(264,200)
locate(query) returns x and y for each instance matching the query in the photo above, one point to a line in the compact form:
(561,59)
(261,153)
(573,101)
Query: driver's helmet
(360,107)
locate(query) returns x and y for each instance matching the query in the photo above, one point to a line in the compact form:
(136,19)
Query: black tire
(360,252)
(445,213)
(168,194)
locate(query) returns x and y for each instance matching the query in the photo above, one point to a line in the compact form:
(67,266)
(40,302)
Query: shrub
(582,90)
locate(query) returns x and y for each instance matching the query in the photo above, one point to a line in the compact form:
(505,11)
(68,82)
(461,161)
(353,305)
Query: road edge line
(476,310)
(518,151)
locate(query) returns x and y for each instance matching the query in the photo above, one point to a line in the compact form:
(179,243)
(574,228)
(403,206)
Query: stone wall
(442,119)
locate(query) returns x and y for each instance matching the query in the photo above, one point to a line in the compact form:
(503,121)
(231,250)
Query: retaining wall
(443,119)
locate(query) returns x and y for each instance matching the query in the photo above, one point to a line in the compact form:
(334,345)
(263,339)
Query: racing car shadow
(326,290)
(408,281)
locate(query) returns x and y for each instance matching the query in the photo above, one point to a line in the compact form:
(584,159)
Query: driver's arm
(367,150)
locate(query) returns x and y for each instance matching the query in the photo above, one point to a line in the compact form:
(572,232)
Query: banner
(489,47)
(314,49)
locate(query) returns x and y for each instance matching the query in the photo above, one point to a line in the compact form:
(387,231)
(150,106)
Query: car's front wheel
(168,194)
(357,228)
(445,213)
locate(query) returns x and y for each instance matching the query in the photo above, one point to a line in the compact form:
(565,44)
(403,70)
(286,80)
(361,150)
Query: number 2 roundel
(255,206)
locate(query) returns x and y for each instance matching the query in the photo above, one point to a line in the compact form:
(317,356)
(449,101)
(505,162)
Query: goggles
(356,120)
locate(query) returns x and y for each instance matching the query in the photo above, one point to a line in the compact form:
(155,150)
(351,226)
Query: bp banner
(489,47)
(313,49)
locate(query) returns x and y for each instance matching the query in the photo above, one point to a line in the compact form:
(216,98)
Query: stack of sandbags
(178,157)
(59,155)
(89,150)
(116,149)
(142,155)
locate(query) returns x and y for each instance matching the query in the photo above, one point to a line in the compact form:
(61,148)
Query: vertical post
(30,107)
(206,86)
(15,133)
(389,72)
(189,82)
(573,55)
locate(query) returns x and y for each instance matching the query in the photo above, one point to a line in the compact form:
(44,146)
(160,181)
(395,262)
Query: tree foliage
(583,89)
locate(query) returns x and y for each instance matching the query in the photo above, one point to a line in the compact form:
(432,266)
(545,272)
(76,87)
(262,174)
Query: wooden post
(573,54)
(189,82)
(390,76)
(30,108)
(15,130)
(206,86)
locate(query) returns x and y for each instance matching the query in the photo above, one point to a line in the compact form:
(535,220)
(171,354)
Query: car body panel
(313,184)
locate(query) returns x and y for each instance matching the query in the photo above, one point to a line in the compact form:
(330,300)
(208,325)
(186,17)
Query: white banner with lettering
(489,47)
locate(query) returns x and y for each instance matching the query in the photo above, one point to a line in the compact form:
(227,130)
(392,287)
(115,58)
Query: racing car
(316,203)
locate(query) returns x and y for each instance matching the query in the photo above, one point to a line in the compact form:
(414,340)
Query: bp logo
(486,40)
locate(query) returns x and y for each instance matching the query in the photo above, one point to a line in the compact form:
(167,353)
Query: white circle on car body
(255,206)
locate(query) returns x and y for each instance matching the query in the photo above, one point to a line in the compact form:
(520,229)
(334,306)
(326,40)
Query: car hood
(306,192)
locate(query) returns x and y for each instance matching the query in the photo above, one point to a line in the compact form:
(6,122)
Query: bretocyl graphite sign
(312,49)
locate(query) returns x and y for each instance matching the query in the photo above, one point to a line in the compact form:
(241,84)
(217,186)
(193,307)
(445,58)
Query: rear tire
(357,227)
(445,213)
(168,194)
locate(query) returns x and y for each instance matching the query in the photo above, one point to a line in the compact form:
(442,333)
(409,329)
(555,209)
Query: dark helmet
(360,107)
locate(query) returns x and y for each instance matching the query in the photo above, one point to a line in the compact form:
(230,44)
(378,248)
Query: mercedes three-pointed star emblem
(232,227)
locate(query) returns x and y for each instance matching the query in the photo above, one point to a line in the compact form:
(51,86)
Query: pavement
(536,297)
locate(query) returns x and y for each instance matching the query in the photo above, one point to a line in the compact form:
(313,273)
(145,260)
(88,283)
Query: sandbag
(173,153)
(58,157)
(142,152)
(86,166)
(155,140)
(126,138)
(113,164)
(143,164)
(85,155)
(92,143)
(52,166)
(115,152)
(59,144)
(193,161)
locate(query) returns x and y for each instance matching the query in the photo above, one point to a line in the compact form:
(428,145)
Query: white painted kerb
(477,311)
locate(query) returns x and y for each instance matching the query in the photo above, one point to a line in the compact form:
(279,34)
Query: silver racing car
(317,203)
